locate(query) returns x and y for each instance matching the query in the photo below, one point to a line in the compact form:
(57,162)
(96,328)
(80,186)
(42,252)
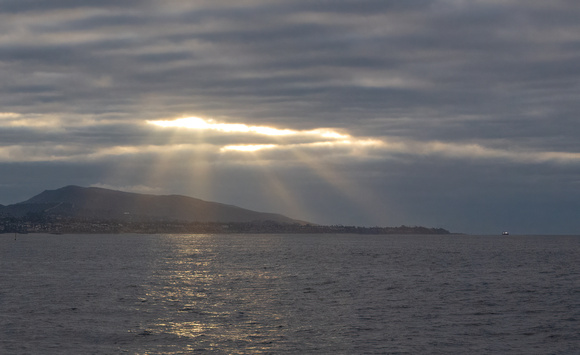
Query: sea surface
(296,294)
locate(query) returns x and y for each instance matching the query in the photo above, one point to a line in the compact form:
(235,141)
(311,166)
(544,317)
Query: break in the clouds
(451,113)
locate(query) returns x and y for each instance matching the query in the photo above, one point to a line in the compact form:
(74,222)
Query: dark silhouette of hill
(99,203)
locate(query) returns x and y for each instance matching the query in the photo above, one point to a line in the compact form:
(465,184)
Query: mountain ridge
(97,202)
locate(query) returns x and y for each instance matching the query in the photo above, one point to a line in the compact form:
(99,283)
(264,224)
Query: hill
(99,203)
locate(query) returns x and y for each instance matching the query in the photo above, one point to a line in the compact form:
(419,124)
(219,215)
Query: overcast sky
(461,114)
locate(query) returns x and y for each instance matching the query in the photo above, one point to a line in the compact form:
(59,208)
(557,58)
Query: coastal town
(70,225)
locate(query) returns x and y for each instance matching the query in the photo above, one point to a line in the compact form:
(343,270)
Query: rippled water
(179,294)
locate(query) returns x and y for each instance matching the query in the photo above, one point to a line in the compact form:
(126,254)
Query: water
(240,294)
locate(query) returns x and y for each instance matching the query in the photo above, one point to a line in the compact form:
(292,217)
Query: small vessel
(505,233)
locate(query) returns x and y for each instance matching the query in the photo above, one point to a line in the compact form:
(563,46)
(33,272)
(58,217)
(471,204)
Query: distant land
(99,203)
(75,209)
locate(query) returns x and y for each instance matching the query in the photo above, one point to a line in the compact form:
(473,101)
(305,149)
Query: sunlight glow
(9,114)
(210,124)
(326,133)
(13,119)
(325,138)
(201,124)
(248,147)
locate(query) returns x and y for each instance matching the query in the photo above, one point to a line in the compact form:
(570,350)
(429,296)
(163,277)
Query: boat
(505,233)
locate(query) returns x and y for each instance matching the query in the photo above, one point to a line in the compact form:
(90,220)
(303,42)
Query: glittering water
(179,294)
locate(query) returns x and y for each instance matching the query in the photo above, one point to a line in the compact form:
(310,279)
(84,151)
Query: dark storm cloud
(477,87)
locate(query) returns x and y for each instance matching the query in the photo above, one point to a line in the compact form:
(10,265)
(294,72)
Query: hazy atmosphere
(445,113)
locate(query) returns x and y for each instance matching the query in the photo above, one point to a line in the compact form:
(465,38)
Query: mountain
(99,203)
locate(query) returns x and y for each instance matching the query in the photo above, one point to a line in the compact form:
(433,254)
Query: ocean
(295,294)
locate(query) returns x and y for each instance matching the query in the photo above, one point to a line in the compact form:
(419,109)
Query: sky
(456,114)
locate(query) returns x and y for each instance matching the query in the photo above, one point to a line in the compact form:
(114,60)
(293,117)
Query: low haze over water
(176,294)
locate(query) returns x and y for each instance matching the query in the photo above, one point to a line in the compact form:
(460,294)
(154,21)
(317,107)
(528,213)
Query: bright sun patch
(210,124)
(248,147)
(282,136)
(201,124)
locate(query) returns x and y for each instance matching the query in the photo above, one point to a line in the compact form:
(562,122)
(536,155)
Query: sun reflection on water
(205,303)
